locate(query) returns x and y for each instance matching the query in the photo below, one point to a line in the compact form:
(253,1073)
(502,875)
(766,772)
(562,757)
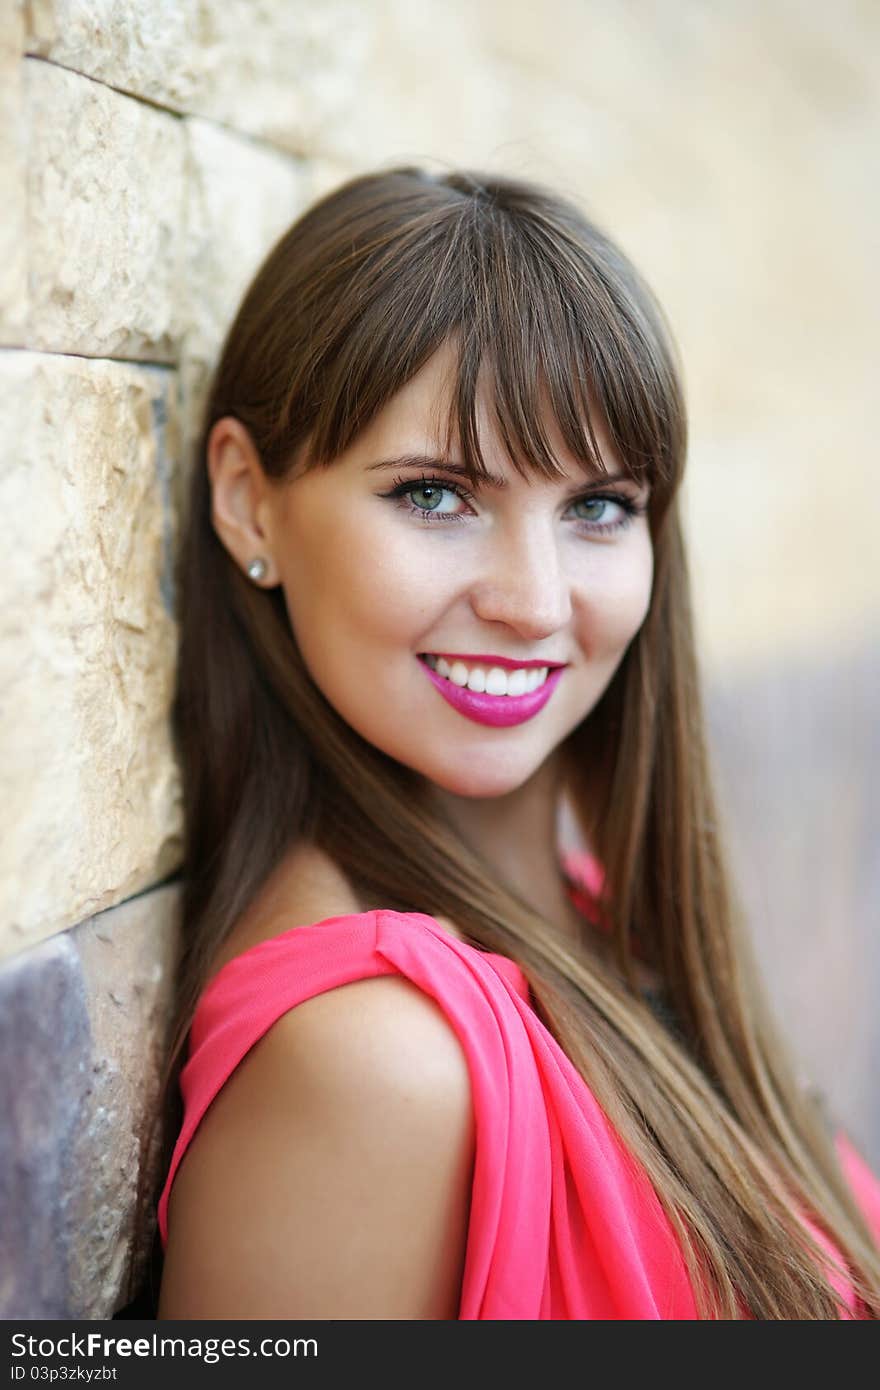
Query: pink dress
(563,1223)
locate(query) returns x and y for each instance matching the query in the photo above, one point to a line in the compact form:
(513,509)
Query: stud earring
(257,568)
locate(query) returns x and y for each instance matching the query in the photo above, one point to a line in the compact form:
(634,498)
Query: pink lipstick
(499,711)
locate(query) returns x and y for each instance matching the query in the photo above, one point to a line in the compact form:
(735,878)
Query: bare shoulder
(306,886)
(331,1177)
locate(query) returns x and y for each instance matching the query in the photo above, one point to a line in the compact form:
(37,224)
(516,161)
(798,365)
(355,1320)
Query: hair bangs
(547,332)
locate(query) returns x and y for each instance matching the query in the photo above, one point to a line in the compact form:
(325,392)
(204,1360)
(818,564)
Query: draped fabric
(564,1224)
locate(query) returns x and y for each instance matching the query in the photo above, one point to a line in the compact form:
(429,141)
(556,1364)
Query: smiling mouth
(486,679)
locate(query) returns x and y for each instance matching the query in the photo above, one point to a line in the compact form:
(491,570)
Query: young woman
(432,1061)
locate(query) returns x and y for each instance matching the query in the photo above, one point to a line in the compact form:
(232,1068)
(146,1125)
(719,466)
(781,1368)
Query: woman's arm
(331,1176)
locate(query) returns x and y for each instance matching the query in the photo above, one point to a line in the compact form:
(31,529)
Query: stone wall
(150,152)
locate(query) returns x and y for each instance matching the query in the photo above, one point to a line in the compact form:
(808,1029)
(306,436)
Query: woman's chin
(477,782)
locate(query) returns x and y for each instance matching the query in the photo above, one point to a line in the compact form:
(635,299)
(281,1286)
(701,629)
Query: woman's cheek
(614,600)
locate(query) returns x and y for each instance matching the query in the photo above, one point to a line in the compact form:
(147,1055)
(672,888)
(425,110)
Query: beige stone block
(106,211)
(285,73)
(88,780)
(13,240)
(427,91)
(240,198)
(281,72)
(149,50)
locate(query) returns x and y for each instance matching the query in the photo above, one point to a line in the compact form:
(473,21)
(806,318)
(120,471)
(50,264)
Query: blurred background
(150,153)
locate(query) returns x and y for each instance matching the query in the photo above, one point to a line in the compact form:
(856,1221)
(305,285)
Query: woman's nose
(523,582)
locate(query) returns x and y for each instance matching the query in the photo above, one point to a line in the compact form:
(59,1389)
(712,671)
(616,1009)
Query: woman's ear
(241,510)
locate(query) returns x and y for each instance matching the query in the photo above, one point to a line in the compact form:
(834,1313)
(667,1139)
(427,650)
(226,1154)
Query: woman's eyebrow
(427,461)
(492,479)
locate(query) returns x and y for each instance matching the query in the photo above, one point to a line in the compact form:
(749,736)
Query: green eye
(628,509)
(592,502)
(436,491)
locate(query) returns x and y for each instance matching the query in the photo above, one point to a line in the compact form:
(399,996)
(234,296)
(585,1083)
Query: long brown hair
(348,305)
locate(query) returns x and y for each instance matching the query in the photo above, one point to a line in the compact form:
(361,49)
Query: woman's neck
(519,835)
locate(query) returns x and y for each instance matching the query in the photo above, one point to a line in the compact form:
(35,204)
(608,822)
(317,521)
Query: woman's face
(534,571)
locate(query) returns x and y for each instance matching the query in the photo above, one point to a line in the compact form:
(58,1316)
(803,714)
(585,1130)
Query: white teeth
(494,680)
